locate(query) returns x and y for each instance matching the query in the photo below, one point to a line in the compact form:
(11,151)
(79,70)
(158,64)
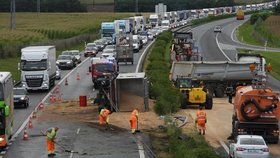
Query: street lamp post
(13,14)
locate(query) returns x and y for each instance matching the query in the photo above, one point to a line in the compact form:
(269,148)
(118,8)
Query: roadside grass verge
(271,57)
(245,34)
(168,143)
(10,65)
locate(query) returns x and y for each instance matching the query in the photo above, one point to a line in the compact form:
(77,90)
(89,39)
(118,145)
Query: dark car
(20,97)
(65,62)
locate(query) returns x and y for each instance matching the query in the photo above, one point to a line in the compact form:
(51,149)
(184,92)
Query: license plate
(253,151)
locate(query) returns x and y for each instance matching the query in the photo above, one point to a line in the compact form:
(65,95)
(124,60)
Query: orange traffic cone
(30,124)
(33,114)
(78,76)
(59,98)
(52,98)
(41,106)
(66,82)
(57,89)
(25,134)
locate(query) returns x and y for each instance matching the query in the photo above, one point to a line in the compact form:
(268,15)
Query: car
(249,146)
(65,61)
(77,55)
(57,73)
(91,50)
(143,35)
(68,52)
(110,48)
(21,98)
(217,29)
(99,44)
(108,55)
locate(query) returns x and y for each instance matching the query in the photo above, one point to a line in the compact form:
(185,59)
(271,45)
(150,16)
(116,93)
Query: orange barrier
(25,134)
(66,82)
(41,106)
(30,124)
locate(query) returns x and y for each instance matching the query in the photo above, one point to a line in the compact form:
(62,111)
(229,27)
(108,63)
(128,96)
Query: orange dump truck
(256,111)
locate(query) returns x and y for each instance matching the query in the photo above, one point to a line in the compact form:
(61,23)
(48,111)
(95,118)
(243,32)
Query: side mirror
(18,66)
(7,111)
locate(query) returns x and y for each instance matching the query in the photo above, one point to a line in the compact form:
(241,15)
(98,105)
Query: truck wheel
(209,102)
(219,92)
(95,86)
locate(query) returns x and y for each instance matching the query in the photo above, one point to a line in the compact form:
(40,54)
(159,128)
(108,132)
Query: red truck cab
(102,70)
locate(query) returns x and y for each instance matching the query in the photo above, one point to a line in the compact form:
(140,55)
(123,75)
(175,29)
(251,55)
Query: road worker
(134,120)
(51,134)
(201,120)
(104,117)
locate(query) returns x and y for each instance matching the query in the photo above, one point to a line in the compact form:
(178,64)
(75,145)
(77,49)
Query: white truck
(38,67)
(165,24)
(154,20)
(219,76)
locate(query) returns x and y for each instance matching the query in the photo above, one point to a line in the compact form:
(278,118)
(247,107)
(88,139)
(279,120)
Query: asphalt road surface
(75,136)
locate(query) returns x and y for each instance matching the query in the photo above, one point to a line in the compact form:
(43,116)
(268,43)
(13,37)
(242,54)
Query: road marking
(78,131)
(224,146)
(221,48)
(44,99)
(71,155)
(232,33)
(140,148)
(143,54)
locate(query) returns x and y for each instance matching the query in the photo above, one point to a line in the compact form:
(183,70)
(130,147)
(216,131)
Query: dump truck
(124,49)
(240,14)
(183,48)
(219,76)
(256,110)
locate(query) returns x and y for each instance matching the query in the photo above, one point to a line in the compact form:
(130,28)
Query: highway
(96,143)
(222,47)
(72,135)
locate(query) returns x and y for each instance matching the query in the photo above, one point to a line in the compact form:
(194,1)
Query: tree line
(45,6)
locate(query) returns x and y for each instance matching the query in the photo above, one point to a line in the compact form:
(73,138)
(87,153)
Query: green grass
(248,1)
(271,57)
(10,65)
(245,34)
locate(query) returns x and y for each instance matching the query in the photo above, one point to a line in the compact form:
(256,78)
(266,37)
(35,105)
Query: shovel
(64,149)
(137,130)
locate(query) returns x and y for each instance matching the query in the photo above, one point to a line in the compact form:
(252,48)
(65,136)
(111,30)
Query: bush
(262,15)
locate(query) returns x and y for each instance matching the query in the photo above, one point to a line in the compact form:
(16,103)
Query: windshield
(251,141)
(64,57)
(143,33)
(185,83)
(104,67)
(108,31)
(19,91)
(90,48)
(34,65)
(75,53)
(153,20)
(66,53)
(1,92)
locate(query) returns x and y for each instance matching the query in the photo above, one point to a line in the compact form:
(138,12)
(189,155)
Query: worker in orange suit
(201,120)
(134,120)
(51,134)
(104,117)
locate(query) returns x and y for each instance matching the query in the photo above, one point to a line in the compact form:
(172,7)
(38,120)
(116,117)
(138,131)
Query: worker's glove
(205,121)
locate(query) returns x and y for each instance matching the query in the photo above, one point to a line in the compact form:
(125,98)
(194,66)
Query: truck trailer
(219,76)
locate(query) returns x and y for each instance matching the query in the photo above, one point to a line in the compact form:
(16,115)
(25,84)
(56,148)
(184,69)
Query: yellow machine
(194,94)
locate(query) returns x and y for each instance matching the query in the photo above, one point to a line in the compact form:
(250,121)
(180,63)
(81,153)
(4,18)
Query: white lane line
(78,131)
(232,33)
(43,100)
(71,155)
(143,54)
(224,146)
(221,48)
(140,148)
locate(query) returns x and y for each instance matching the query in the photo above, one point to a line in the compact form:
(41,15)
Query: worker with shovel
(104,117)
(134,120)
(51,134)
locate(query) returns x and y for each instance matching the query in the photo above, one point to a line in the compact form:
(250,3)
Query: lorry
(256,109)
(102,69)
(183,47)
(219,76)
(123,26)
(6,108)
(109,29)
(154,20)
(240,14)
(165,24)
(124,49)
(38,67)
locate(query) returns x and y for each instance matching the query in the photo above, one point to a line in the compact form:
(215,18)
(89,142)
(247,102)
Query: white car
(108,55)
(217,29)
(249,146)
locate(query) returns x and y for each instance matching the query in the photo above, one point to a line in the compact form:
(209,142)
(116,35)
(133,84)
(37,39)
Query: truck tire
(219,92)
(95,86)
(209,102)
